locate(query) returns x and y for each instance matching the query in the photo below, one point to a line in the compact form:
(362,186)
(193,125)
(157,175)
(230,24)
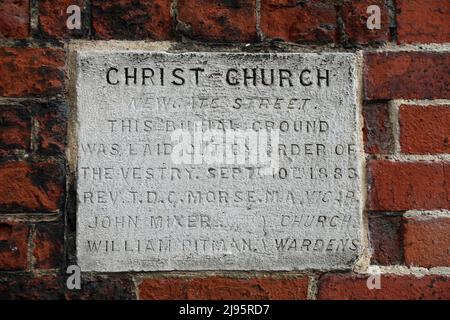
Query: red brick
(399,186)
(427,242)
(15,129)
(447,183)
(425,129)
(36,187)
(102,287)
(408,75)
(393,287)
(378,134)
(53,17)
(163,289)
(52,127)
(13,246)
(220,288)
(132,19)
(294,21)
(355,18)
(14,19)
(31,71)
(386,239)
(421,21)
(218,20)
(48,243)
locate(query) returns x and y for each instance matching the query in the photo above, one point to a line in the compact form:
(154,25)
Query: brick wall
(407,128)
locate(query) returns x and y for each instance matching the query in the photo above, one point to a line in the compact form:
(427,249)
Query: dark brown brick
(35,187)
(28,287)
(13,246)
(52,128)
(378,133)
(103,287)
(386,239)
(132,19)
(218,20)
(48,244)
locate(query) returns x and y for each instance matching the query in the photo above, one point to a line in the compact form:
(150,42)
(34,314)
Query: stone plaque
(217,161)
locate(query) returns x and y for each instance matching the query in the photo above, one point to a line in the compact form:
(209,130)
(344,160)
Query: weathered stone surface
(140,209)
